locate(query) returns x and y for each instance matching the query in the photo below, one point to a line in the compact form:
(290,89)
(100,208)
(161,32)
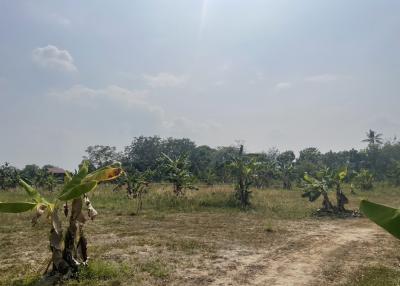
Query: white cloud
(165,80)
(54,58)
(324,78)
(112,94)
(283,85)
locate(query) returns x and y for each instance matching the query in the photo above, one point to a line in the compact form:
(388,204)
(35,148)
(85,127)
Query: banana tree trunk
(326,203)
(74,253)
(341,199)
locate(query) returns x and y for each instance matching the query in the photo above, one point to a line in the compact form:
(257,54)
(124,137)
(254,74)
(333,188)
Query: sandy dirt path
(299,259)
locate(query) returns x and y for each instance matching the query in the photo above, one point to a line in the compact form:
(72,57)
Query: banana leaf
(17,207)
(104,174)
(76,179)
(384,216)
(312,195)
(78,191)
(33,193)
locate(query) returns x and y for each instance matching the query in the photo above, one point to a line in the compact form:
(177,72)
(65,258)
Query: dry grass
(200,239)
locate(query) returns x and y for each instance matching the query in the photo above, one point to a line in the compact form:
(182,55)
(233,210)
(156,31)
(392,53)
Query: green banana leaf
(342,175)
(78,191)
(384,216)
(18,207)
(76,179)
(312,195)
(33,193)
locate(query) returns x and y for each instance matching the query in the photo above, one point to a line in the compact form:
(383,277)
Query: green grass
(155,268)
(271,203)
(375,276)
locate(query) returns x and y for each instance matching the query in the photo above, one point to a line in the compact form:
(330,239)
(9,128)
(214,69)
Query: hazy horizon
(278,74)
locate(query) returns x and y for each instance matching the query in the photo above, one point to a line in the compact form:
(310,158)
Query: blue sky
(285,74)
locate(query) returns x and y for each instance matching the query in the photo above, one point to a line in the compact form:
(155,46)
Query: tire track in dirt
(299,260)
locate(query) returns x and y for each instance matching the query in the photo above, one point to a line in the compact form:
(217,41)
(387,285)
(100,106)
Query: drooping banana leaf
(104,174)
(384,216)
(17,207)
(78,191)
(312,195)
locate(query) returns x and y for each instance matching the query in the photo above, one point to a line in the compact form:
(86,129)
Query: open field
(203,239)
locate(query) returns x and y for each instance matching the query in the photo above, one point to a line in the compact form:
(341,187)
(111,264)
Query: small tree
(364,180)
(44,179)
(8,176)
(243,171)
(137,185)
(394,173)
(177,172)
(285,168)
(69,252)
(265,172)
(286,172)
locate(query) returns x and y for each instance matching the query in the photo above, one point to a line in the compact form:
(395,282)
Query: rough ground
(211,249)
(300,259)
(278,243)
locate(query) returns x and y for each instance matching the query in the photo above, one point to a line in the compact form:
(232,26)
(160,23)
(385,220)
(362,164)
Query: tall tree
(101,155)
(142,154)
(8,176)
(373,138)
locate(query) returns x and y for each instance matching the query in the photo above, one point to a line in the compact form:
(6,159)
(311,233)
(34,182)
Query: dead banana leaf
(92,213)
(56,222)
(40,209)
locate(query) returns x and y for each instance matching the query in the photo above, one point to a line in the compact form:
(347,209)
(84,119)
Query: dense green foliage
(377,162)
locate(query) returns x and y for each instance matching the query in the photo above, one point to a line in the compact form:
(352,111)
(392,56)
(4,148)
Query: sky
(284,74)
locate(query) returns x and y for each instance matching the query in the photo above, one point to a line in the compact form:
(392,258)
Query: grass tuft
(155,268)
(375,276)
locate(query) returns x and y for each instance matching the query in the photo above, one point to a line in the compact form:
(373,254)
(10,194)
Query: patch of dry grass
(173,241)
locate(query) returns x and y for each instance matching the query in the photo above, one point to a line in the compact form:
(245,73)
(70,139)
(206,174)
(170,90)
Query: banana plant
(244,172)
(322,184)
(314,188)
(177,172)
(364,180)
(386,217)
(137,184)
(69,252)
(286,172)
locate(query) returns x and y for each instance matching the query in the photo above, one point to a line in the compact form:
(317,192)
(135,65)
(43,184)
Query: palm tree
(373,138)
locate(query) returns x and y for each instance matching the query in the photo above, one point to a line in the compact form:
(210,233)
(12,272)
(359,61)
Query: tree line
(378,161)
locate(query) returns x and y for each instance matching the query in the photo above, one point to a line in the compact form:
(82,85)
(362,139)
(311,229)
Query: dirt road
(318,253)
